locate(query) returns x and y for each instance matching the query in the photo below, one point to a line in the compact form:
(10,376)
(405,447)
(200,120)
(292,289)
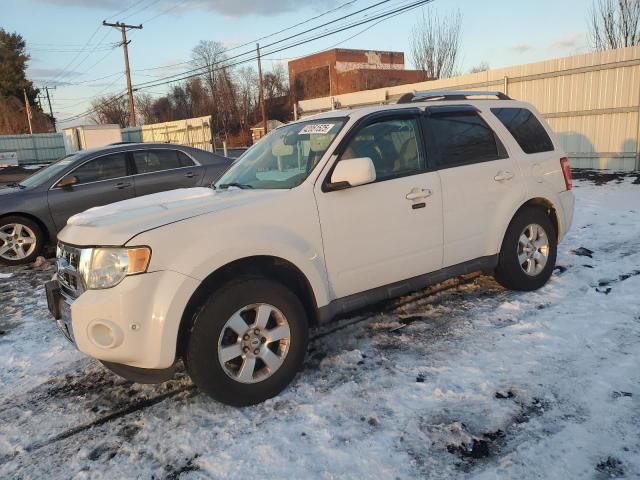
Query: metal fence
(591,101)
(33,149)
(195,132)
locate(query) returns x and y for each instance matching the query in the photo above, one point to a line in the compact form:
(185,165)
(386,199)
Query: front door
(389,230)
(101,181)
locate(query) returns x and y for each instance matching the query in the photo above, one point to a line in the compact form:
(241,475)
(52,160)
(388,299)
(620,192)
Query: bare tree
(111,110)
(435,43)
(481,67)
(144,108)
(614,24)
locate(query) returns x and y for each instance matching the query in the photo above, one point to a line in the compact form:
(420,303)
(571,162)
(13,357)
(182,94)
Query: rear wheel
(529,249)
(21,240)
(248,341)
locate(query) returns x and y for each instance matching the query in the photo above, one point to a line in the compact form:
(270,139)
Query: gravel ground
(463,380)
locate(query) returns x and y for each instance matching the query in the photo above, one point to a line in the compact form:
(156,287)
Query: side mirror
(68,181)
(352,172)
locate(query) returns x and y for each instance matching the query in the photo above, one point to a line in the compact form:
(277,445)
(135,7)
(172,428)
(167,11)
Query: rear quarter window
(525,128)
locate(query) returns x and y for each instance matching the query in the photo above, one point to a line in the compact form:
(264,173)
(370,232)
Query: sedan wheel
(18,242)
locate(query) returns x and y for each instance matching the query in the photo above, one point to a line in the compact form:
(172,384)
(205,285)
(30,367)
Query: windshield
(284,158)
(49,172)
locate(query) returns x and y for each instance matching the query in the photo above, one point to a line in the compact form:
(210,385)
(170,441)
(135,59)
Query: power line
(206,67)
(253,42)
(201,70)
(380,16)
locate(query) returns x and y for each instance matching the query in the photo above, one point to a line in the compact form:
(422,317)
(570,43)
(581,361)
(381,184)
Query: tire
(511,273)
(21,240)
(237,381)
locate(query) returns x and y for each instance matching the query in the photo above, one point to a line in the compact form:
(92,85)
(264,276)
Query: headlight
(107,267)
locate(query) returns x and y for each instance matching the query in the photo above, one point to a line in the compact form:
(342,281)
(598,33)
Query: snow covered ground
(464,380)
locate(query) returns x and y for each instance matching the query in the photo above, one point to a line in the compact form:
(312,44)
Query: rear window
(525,128)
(463,138)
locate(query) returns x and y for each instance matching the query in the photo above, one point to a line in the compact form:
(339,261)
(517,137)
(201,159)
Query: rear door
(481,183)
(160,169)
(101,181)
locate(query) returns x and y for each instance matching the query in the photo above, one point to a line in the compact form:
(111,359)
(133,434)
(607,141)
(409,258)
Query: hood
(9,190)
(117,223)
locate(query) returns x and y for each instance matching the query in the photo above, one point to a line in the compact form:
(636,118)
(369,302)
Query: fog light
(105,334)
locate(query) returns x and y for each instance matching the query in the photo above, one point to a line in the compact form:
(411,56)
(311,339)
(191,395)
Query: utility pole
(261,83)
(123,28)
(46,88)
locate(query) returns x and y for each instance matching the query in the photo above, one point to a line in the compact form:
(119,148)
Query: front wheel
(248,341)
(21,240)
(528,253)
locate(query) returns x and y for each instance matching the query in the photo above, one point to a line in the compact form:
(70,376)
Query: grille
(69,278)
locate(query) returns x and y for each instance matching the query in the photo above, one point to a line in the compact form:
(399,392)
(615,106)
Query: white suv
(321,217)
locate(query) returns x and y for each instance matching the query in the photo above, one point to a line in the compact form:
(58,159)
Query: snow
(5,275)
(465,380)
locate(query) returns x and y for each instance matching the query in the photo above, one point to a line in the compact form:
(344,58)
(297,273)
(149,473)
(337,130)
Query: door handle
(418,194)
(189,175)
(502,176)
(122,186)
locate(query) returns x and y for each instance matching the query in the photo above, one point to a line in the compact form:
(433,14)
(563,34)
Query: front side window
(284,158)
(392,145)
(462,138)
(149,161)
(103,168)
(525,128)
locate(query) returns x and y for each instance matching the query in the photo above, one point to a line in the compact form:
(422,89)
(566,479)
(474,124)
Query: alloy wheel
(254,343)
(17,241)
(533,249)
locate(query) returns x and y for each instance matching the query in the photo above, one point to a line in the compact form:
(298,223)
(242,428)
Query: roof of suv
(432,99)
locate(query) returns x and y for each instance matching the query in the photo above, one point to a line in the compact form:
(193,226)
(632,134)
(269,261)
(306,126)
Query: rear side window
(525,128)
(156,160)
(185,160)
(462,138)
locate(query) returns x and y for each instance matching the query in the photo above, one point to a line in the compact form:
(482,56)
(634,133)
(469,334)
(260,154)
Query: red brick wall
(369,79)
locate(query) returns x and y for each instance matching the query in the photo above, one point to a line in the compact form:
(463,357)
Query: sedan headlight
(107,267)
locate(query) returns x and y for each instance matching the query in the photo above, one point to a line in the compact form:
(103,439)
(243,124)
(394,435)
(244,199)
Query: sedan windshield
(49,172)
(284,158)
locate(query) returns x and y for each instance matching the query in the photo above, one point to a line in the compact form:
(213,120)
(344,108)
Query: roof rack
(453,95)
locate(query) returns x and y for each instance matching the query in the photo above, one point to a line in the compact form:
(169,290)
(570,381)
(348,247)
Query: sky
(71,50)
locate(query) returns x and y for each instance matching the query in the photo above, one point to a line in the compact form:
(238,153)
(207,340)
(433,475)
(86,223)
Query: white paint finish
(155,301)
(475,205)
(343,242)
(373,237)
(354,171)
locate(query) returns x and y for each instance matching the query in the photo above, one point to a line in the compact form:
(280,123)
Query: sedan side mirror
(352,172)
(68,181)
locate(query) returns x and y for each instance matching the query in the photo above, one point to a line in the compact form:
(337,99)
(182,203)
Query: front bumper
(135,323)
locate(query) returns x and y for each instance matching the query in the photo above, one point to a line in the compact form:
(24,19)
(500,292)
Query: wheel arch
(541,202)
(272,267)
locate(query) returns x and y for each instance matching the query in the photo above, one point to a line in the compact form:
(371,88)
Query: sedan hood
(117,223)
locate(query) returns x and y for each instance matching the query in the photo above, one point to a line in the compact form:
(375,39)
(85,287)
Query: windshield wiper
(235,184)
(16,185)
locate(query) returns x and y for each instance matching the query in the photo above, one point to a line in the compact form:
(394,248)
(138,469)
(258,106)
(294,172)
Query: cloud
(52,72)
(226,7)
(574,40)
(521,47)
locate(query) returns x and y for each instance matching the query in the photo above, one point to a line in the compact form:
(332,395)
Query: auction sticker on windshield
(317,128)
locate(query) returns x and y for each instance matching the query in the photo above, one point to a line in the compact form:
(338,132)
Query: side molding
(360,300)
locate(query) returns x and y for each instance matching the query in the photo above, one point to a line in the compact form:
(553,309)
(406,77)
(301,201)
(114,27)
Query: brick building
(341,70)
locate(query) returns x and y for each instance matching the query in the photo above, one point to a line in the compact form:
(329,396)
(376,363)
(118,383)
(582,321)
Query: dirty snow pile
(465,380)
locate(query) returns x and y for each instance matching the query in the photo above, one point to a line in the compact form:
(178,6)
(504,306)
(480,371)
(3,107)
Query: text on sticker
(317,128)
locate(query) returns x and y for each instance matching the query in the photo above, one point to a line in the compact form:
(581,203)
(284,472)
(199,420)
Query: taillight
(566,172)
